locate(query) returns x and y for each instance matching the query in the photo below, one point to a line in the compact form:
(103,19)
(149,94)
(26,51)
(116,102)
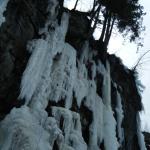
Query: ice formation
(71,127)
(3,5)
(120,116)
(22,134)
(52,75)
(140,135)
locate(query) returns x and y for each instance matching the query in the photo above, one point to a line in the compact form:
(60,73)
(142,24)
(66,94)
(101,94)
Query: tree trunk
(94,5)
(108,28)
(76,4)
(104,26)
(93,13)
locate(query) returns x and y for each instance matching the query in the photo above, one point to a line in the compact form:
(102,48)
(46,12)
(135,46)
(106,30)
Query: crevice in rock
(102,147)
(89,69)
(99,83)
(55,146)
(74,106)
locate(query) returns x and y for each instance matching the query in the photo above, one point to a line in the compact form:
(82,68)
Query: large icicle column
(74,100)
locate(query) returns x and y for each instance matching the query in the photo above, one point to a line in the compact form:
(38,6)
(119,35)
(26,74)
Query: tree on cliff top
(126,15)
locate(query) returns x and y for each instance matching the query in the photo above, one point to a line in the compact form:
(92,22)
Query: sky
(128,53)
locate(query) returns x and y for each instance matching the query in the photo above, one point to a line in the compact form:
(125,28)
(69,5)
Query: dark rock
(102,147)
(55,147)
(101,50)
(60,103)
(79,26)
(86,117)
(23,20)
(89,69)
(74,106)
(99,84)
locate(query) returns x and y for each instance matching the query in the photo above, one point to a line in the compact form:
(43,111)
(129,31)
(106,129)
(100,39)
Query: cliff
(60,89)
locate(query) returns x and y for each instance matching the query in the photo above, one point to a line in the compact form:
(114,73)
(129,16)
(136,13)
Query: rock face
(57,90)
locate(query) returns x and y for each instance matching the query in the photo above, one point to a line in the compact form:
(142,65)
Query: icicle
(96,127)
(63,76)
(120,116)
(139,134)
(110,140)
(107,87)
